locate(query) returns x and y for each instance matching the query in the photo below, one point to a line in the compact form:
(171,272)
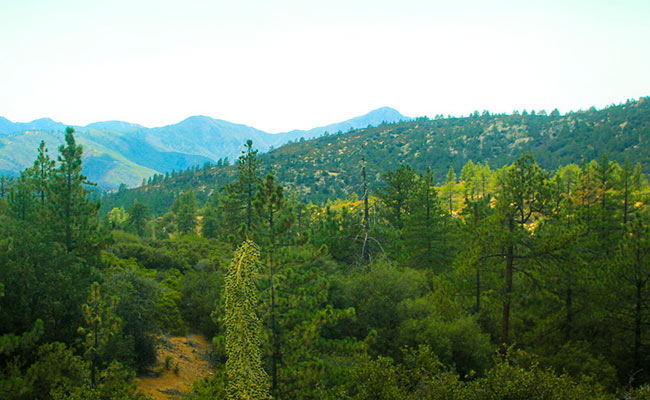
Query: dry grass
(186,364)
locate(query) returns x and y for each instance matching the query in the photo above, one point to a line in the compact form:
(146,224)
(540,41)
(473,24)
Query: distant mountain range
(117,152)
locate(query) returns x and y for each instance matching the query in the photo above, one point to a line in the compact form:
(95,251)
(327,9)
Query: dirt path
(186,364)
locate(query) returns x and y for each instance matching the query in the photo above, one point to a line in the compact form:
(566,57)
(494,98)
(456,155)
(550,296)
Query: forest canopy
(493,283)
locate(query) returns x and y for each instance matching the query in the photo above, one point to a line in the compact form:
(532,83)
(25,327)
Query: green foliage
(184,208)
(137,218)
(138,294)
(553,262)
(425,234)
(236,206)
(246,378)
(211,219)
(102,324)
(72,216)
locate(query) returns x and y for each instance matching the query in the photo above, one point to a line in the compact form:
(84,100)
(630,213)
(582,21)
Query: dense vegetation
(448,281)
(328,167)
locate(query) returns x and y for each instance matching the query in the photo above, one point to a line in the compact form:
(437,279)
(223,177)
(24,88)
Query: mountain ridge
(135,150)
(329,167)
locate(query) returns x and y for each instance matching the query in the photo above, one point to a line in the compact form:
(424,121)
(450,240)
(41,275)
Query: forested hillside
(118,152)
(329,167)
(497,283)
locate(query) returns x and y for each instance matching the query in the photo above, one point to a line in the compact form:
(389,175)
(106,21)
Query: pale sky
(279,65)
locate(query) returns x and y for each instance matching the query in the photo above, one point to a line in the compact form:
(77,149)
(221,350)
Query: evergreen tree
(626,184)
(449,188)
(423,233)
(629,281)
(137,216)
(4,186)
(72,216)
(21,198)
(184,208)
(397,193)
(41,172)
(238,199)
(210,223)
(468,177)
(522,197)
(269,204)
(102,324)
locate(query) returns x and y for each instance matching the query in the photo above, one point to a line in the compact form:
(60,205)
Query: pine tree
(468,177)
(4,186)
(629,282)
(102,324)
(423,232)
(41,172)
(184,208)
(523,195)
(247,380)
(21,198)
(449,188)
(210,223)
(397,193)
(269,204)
(137,217)
(237,202)
(72,217)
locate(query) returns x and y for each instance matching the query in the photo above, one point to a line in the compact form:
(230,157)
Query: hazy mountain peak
(387,111)
(114,125)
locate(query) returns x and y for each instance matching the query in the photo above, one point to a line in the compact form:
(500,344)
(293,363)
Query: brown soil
(187,363)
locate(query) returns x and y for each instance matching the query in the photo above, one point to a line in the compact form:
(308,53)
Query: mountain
(120,126)
(205,136)
(373,118)
(330,166)
(121,152)
(42,124)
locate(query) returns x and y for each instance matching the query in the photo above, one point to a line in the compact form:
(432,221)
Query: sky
(296,64)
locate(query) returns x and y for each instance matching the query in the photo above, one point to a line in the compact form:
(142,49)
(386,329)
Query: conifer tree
(102,324)
(41,172)
(269,204)
(4,186)
(210,223)
(137,217)
(72,216)
(184,208)
(21,198)
(450,185)
(247,380)
(423,233)
(629,282)
(397,193)
(468,177)
(237,205)
(523,195)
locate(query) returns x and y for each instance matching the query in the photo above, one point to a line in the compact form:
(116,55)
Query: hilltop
(329,166)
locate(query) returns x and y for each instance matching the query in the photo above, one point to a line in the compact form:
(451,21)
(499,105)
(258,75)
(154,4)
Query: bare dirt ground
(181,361)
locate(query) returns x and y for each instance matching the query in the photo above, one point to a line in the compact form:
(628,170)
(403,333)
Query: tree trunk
(365,256)
(274,331)
(625,196)
(569,314)
(505,327)
(478,289)
(637,328)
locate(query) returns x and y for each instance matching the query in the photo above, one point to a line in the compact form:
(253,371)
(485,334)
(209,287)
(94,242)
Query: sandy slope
(189,353)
